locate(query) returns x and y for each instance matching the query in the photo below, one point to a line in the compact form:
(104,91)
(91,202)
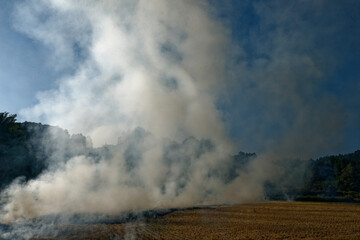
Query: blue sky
(23,69)
(314,44)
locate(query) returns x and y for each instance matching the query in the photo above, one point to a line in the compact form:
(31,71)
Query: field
(269,220)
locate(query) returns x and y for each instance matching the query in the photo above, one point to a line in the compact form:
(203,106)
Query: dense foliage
(330,178)
(334,177)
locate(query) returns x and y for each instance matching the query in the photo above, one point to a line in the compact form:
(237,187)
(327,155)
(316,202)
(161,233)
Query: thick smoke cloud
(140,172)
(144,64)
(158,66)
(147,79)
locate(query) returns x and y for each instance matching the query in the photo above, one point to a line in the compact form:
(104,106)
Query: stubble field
(269,220)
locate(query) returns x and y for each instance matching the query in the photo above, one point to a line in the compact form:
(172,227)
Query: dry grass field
(269,220)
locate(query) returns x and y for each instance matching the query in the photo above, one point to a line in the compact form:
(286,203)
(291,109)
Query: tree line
(27,149)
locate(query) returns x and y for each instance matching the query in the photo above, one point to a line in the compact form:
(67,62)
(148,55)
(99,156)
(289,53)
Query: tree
(7,124)
(346,180)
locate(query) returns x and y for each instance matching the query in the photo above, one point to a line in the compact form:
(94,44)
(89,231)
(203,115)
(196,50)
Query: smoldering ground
(145,81)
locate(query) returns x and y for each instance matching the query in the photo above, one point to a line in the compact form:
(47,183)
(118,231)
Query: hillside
(27,149)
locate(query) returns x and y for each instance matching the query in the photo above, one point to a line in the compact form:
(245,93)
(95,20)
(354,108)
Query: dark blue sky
(297,70)
(328,33)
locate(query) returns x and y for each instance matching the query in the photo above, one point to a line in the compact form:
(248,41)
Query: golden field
(268,220)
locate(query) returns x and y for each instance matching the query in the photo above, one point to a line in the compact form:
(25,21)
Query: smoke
(144,84)
(146,78)
(139,64)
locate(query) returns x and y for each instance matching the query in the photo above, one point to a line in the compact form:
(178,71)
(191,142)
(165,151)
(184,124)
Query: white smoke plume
(145,78)
(158,65)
